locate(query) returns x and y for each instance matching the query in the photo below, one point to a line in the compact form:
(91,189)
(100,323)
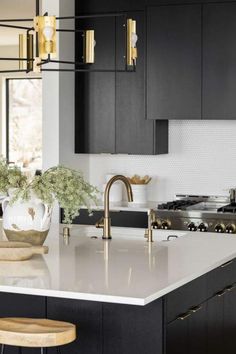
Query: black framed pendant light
(38,46)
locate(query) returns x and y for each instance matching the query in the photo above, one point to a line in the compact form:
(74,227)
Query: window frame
(7,110)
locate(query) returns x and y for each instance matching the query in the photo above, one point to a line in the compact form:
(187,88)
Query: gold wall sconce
(132,38)
(26,50)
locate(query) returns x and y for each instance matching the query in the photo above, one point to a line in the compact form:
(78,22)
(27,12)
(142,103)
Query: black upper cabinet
(95,92)
(110,106)
(135,134)
(219,61)
(95,113)
(174,62)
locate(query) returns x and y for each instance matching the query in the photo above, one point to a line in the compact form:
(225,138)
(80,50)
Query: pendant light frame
(35,64)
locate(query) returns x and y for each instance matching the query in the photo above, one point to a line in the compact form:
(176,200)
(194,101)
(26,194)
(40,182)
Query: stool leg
(2,348)
(58,350)
(19,350)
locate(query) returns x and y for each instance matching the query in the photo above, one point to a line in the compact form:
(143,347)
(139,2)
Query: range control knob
(203,227)
(156,224)
(165,225)
(192,227)
(220,228)
(230,229)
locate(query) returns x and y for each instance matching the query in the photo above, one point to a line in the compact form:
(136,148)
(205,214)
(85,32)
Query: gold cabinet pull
(226,264)
(196,308)
(221,293)
(230,287)
(184,316)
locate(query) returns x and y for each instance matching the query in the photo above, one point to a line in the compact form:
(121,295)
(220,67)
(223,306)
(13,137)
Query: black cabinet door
(188,333)
(187,296)
(95,91)
(197,330)
(133,329)
(174,62)
(134,133)
(230,321)
(177,337)
(17,305)
(219,68)
(215,329)
(95,113)
(87,316)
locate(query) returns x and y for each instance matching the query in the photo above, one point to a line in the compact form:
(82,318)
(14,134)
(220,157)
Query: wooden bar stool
(35,332)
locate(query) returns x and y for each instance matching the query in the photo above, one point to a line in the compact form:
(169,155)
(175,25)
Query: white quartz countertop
(124,270)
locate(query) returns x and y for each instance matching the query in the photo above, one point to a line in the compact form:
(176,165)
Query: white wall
(50,102)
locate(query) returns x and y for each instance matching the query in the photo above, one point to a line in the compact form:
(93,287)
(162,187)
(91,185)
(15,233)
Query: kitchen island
(128,296)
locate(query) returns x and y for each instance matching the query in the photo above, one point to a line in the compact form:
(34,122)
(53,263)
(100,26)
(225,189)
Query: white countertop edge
(187,280)
(74,295)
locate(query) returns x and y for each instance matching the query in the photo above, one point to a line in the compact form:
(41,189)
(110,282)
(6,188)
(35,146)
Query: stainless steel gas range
(198,213)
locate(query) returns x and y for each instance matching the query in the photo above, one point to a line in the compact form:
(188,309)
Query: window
(24,122)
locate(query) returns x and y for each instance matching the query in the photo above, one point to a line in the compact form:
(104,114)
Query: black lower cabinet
(133,329)
(208,326)
(110,328)
(87,316)
(187,333)
(221,322)
(229,342)
(14,305)
(215,312)
(176,337)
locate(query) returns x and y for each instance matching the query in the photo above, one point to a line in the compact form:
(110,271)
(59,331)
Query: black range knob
(156,224)
(230,229)
(165,225)
(203,227)
(192,226)
(220,228)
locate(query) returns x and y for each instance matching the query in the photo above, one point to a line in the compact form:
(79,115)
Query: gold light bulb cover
(46,46)
(89,47)
(131,51)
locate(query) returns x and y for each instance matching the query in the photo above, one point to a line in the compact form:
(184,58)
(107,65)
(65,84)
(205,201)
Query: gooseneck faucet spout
(105,222)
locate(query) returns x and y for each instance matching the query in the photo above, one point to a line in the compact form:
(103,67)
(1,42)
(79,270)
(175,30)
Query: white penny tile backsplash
(201,160)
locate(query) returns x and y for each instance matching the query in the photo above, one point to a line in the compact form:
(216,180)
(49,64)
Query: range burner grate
(177,205)
(230,208)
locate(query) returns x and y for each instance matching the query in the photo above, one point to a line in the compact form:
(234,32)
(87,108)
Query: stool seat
(35,332)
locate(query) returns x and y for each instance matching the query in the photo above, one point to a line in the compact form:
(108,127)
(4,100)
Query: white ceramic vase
(26,221)
(139,193)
